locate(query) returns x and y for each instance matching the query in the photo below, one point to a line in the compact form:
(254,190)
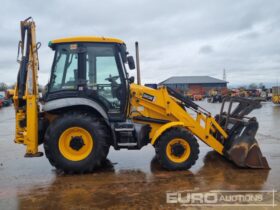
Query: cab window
(103,75)
(65,67)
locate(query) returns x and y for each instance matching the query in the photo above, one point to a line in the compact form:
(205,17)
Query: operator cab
(91,68)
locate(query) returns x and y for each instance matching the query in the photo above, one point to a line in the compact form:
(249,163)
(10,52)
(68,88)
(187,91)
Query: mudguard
(164,128)
(68,102)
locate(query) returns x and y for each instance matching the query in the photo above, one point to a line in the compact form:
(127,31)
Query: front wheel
(177,149)
(76,143)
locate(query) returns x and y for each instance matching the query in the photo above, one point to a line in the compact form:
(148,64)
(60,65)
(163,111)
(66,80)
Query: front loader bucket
(241,146)
(244,151)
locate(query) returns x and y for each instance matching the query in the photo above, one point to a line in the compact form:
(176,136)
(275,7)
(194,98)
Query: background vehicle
(218,98)
(276,95)
(215,96)
(91,104)
(5,101)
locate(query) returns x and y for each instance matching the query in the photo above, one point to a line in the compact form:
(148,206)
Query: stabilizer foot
(37,154)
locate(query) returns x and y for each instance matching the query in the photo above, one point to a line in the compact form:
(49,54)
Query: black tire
(163,141)
(93,125)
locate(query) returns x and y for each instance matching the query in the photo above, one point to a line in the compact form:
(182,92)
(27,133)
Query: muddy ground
(131,179)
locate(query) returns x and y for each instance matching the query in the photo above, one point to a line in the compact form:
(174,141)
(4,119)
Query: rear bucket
(245,152)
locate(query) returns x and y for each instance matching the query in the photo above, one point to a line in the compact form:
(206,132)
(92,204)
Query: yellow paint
(166,107)
(164,128)
(184,156)
(87,39)
(276,95)
(10,93)
(276,99)
(28,134)
(70,153)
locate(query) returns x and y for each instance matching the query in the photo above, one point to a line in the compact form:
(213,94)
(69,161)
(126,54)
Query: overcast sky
(176,37)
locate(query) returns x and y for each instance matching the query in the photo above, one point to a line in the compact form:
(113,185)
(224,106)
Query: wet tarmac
(131,179)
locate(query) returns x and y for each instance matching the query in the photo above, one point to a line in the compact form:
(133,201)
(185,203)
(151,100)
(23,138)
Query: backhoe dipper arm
(26,90)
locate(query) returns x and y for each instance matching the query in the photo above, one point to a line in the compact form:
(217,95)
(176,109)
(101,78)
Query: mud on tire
(168,136)
(93,125)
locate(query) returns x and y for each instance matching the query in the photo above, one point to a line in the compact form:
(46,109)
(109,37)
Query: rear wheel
(77,143)
(177,149)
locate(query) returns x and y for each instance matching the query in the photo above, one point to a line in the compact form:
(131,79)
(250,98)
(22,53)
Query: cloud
(176,37)
(206,49)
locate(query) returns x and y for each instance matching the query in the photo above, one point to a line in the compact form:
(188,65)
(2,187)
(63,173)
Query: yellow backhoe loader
(90,104)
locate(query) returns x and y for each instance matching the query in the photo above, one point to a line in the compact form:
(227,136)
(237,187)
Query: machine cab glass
(65,69)
(104,75)
(96,67)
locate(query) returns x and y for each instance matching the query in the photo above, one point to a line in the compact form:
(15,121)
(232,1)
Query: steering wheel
(115,87)
(112,79)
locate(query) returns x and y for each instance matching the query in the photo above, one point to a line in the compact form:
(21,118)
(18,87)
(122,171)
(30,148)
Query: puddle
(129,179)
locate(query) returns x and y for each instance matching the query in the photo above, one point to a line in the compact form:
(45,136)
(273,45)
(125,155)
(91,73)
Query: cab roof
(86,39)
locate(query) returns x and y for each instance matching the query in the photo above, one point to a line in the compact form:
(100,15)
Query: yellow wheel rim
(75,143)
(184,153)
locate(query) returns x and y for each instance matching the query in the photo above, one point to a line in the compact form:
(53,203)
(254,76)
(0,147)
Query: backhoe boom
(26,90)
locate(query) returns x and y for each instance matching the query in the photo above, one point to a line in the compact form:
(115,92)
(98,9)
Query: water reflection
(220,173)
(134,188)
(276,110)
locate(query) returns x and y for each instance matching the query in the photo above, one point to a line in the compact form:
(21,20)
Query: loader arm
(161,105)
(149,105)
(26,90)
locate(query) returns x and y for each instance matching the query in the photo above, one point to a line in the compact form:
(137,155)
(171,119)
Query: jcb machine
(90,104)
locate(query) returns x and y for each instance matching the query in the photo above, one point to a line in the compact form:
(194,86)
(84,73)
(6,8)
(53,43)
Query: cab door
(106,79)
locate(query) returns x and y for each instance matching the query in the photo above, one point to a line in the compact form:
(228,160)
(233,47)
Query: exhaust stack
(137,63)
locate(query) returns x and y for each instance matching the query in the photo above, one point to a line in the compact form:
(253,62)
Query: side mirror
(131,80)
(131,62)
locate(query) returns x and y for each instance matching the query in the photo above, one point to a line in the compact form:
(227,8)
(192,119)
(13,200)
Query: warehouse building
(192,85)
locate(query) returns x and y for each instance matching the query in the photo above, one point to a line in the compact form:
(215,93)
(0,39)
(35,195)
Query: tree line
(4,87)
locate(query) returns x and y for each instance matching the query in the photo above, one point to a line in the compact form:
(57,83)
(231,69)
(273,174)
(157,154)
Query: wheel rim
(75,143)
(178,150)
